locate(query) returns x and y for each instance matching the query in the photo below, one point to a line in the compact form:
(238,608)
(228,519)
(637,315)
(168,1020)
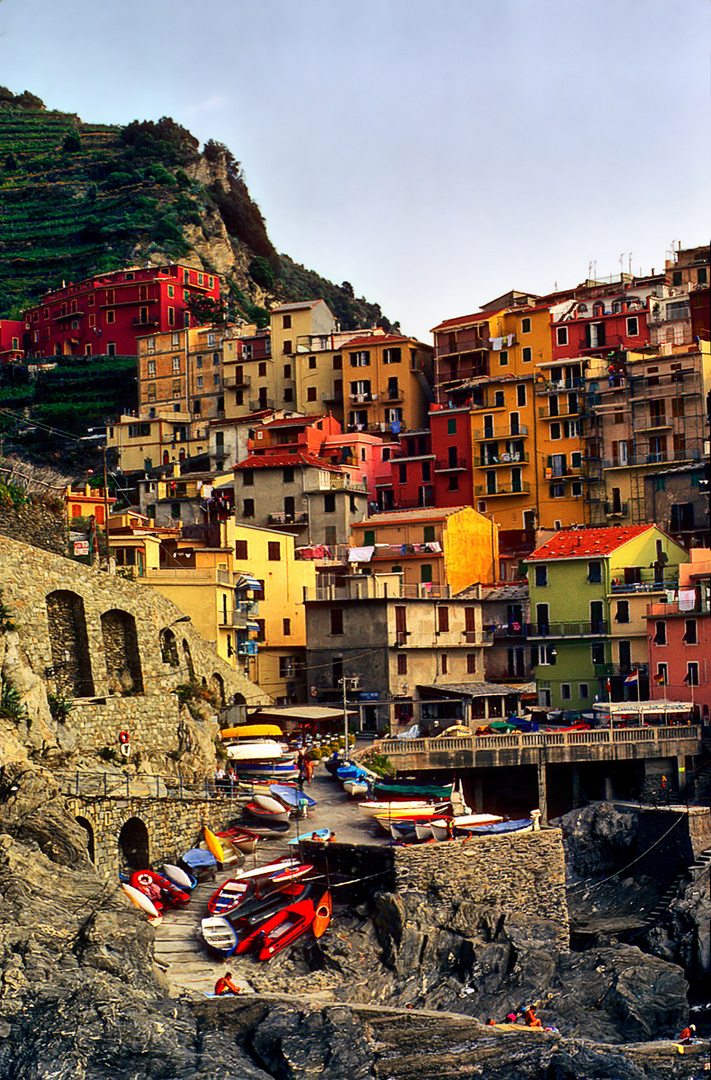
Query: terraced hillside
(78,198)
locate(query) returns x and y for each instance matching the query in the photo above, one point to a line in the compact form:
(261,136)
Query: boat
(213,844)
(500,828)
(316,835)
(409,817)
(445,828)
(244,839)
(141,901)
(252,733)
(263,813)
(201,864)
(219,935)
(403,807)
(393,789)
(266,750)
(231,893)
(290,796)
(256,909)
(285,927)
(402,831)
(160,890)
(322,918)
(179,877)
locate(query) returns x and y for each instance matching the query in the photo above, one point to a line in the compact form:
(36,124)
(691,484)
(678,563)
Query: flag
(659,679)
(608,686)
(633,678)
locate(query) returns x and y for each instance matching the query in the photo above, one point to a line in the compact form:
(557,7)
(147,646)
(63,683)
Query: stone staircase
(662,906)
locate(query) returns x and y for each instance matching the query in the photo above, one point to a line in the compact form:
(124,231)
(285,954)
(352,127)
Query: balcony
(483,491)
(603,671)
(502,432)
(323,553)
(282,518)
(362,399)
(332,395)
(259,404)
(450,465)
(372,587)
(237,382)
(556,386)
(247,648)
(546,414)
(502,459)
(71,315)
(571,629)
(660,457)
(701,605)
(394,395)
(145,322)
(645,584)
(616,509)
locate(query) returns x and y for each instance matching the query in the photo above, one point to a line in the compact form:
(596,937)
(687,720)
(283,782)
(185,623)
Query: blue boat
(520,825)
(291,796)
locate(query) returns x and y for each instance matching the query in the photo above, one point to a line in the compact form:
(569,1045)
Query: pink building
(679,635)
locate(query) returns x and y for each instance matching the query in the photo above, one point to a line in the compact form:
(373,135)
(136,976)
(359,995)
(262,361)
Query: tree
(29,101)
(71,144)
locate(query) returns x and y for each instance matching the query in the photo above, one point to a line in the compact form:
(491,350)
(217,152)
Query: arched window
(169,648)
(133,844)
(87,826)
(71,664)
(123,661)
(218,684)
(598,309)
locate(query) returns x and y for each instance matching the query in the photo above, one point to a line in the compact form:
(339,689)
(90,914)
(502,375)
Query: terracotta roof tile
(578,543)
(281,461)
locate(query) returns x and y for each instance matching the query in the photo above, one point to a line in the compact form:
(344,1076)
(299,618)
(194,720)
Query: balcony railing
(645,584)
(509,432)
(232,382)
(247,648)
(523,740)
(363,399)
(282,518)
(616,509)
(450,465)
(604,670)
(555,386)
(323,553)
(503,489)
(568,629)
(700,605)
(259,404)
(503,459)
(659,458)
(375,588)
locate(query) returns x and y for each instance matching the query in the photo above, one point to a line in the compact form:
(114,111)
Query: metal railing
(503,489)
(520,740)
(568,629)
(508,432)
(105,785)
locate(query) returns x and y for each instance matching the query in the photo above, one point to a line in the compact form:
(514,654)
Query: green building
(589,591)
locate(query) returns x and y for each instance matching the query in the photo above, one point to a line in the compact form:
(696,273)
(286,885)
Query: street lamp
(183,618)
(348,682)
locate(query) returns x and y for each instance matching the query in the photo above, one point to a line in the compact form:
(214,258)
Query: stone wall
(153,718)
(521,873)
(36,524)
(173,826)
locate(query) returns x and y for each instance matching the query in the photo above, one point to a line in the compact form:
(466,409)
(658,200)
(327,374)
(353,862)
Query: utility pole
(348,682)
(106,510)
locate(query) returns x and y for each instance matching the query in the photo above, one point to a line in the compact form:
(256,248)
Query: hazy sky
(434,153)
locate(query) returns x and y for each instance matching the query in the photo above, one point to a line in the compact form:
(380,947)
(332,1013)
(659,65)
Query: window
(360,359)
(453,484)
(583,691)
(262,370)
(597,653)
(286,627)
(542,619)
(111,348)
(471,663)
(151,369)
(312,363)
(442,620)
(702,276)
(660,633)
(525,326)
(337,620)
(338,363)
(633,327)
(499,399)
(274,551)
(445,663)
(287,346)
(541,573)
(311,393)
(565,691)
(402,663)
(555,431)
(288,393)
(527,354)
(287,475)
(176,365)
(111,316)
(402,474)
(692,673)
(171,316)
(247,478)
(329,503)
(561,335)
(391,356)
(198,361)
(198,381)
(426,573)
(428,534)
(286,322)
(521,394)
(452,425)
(286,667)
(622,615)
(690,632)
(595,572)
(662,676)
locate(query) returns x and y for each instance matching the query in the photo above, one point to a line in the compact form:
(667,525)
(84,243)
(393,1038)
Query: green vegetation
(298,283)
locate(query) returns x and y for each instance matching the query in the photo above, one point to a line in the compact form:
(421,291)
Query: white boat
(257,750)
(401,807)
(356,788)
(443,828)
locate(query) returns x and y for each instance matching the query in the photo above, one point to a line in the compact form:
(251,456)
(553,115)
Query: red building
(452,450)
(602,317)
(11,331)
(105,314)
(679,634)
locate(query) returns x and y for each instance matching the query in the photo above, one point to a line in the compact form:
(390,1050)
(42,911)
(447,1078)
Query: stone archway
(123,660)
(133,844)
(89,830)
(71,663)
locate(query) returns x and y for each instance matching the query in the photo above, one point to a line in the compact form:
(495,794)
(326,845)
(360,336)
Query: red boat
(159,890)
(285,927)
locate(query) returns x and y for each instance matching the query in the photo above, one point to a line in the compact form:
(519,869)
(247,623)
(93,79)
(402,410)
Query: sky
(434,153)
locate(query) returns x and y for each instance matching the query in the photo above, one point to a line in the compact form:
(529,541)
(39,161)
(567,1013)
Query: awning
(246,581)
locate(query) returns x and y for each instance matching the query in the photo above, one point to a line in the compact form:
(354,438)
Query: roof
(380,339)
(479,689)
(283,461)
(396,517)
(296,305)
(461,320)
(579,543)
(296,421)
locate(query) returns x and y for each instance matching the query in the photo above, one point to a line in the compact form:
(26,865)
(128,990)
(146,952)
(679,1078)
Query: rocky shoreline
(81,998)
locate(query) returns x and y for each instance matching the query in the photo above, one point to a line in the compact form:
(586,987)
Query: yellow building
(142,443)
(432,548)
(242,587)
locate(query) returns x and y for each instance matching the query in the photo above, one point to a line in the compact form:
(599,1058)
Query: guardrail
(105,785)
(392,747)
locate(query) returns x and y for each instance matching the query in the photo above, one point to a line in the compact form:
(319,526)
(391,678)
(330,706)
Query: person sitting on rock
(687,1034)
(530,1017)
(226,986)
